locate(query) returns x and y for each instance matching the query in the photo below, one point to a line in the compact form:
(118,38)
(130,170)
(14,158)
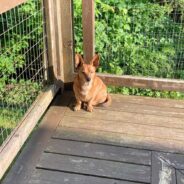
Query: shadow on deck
(136,140)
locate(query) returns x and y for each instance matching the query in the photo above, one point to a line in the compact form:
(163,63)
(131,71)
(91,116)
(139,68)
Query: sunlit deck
(136,140)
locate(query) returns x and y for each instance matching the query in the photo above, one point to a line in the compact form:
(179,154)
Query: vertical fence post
(67,39)
(88,23)
(58,14)
(51,39)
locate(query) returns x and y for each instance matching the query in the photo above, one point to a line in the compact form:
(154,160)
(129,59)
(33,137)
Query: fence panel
(23,63)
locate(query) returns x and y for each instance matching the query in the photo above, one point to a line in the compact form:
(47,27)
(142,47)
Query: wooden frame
(143,82)
(9,4)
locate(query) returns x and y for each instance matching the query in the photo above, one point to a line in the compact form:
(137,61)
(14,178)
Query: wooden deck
(136,140)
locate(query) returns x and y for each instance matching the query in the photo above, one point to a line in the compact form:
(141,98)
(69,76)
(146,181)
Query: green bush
(137,37)
(146,92)
(24,30)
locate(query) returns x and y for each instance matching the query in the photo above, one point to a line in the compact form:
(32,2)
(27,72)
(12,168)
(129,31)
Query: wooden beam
(143,82)
(13,146)
(51,39)
(88,23)
(6,5)
(66,41)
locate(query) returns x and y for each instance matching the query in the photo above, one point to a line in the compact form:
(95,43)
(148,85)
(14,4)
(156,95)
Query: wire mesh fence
(23,62)
(137,37)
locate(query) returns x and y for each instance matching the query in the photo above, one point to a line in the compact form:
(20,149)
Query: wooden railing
(6,5)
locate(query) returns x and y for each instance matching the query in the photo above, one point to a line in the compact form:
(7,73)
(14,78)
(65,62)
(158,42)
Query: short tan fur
(88,87)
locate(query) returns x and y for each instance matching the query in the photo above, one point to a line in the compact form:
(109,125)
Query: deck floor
(136,140)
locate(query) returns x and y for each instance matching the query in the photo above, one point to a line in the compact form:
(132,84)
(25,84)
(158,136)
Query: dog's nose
(88,79)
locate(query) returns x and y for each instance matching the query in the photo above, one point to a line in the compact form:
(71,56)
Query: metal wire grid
(23,62)
(140,38)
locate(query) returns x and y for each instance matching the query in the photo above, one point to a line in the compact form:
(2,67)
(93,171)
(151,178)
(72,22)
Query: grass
(9,118)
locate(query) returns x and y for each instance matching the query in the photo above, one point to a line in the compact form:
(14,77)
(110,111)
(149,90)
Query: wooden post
(58,15)
(88,23)
(51,39)
(66,29)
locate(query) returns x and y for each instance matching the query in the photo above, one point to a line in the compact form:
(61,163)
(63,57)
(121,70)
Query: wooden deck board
(99,151)
(95,167)
(124,127)
(132,142)
(118,139)
(56,177)
(157,102)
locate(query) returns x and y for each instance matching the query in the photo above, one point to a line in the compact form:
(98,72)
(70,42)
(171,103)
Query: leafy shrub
(138,37)
(21,93)
(135,37)
(146,92)
(24,29)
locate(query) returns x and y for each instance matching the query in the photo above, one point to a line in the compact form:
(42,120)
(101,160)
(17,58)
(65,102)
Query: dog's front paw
(90,108)
(77,108)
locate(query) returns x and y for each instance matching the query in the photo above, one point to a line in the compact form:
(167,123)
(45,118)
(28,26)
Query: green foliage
(146,92)
(23,32)
(138,37)
(21,93)
(9,118)
(20,31)
(134,37)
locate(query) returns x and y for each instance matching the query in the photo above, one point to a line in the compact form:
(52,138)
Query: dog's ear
(95,61)
(78,60)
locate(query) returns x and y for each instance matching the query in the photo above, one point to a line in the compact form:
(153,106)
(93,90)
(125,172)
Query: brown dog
(89,88)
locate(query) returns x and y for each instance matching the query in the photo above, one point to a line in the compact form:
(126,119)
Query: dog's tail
(107,102)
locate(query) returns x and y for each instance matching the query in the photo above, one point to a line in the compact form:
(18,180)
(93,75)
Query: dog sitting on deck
(89,88)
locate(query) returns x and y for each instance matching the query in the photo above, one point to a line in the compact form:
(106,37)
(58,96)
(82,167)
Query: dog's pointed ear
(95,61)
(78,60)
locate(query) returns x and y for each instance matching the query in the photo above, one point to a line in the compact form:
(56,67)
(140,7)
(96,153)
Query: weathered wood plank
(143,82)
(54,177)
(106,152)
(126,106)
(118,139)
(101,168)
(26,162)
(9,4)
(120,126)
(129,117)
(146,109)
(156,102)
(162,171)
(150,101)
